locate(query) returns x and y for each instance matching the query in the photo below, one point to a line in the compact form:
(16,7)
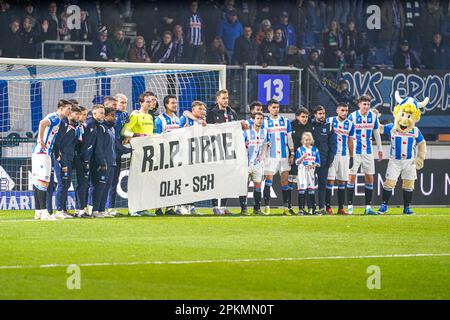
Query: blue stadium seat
(358,61)
(377,57)
(310,40)
(319,38)
(382,56)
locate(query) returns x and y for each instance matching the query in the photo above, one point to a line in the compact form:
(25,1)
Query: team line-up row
(306,152)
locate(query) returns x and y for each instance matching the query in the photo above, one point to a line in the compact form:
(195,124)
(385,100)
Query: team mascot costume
(408,149)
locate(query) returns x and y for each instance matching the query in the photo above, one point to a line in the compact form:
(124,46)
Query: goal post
(31,88)
(221,69)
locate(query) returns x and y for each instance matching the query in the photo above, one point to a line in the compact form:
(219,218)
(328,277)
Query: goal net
(30,89)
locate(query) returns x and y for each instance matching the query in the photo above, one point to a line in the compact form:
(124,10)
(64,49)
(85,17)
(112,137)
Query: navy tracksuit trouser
(102,181)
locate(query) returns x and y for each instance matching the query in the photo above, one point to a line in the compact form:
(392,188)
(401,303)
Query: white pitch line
(175,262)
(234,217)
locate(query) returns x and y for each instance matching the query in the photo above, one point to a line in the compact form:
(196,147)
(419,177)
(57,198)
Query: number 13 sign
(273,86)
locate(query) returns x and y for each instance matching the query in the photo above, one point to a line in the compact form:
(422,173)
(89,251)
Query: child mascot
(408,149)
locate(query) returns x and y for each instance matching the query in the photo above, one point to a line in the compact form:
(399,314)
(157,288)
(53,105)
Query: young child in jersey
(307,159)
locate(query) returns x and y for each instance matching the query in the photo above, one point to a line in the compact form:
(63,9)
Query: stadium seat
(358,61)
(310,40)
(318,37)
(381,55)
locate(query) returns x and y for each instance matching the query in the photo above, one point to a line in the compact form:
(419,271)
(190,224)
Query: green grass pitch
(209,257)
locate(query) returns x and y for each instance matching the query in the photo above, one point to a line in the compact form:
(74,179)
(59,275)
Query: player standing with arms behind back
(256,141)
(338,172)
(41,160)
(366,124)
(280,155)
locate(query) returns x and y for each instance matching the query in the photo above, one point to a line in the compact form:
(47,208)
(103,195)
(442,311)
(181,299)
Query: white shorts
(306,178)
(405,168)
(41,167)
(256,172)
(365,161)
(339,168)
(274,165)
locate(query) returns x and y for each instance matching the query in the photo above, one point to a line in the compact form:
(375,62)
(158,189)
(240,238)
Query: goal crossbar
(120,65)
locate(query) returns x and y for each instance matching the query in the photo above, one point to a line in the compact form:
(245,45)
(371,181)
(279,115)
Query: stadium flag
(187,165)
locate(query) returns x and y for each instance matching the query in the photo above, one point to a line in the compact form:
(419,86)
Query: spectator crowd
(333,34)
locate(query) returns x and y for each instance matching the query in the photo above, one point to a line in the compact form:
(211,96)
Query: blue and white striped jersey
(278,130)
(49,134)
(312,156)
(189,122)
(164,123)
(343,130)
(364,126)
(403,145)
(255,141)
(195,29)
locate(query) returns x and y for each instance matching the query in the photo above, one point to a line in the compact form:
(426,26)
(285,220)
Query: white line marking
(234,217)
(108,264)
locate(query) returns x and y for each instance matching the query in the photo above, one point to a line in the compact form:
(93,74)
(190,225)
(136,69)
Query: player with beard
(343,152)
(280,155)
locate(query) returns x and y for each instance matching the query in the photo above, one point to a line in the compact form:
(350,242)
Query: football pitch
(228,257)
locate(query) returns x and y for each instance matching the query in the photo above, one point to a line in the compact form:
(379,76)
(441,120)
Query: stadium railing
(317,90)
(71,43)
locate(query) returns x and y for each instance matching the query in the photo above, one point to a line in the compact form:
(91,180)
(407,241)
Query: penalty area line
(180,262)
